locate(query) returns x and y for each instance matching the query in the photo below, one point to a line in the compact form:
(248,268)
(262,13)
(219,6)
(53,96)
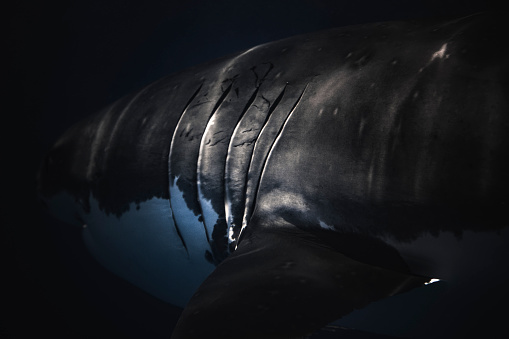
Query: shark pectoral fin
(284,284)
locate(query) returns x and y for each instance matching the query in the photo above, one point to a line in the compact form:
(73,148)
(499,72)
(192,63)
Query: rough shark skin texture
(318,174)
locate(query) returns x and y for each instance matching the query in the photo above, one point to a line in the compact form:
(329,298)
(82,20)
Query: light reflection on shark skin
(349,166)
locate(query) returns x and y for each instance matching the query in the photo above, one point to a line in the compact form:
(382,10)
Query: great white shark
(275,190)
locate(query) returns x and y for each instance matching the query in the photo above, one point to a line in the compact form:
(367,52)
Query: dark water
(69,59)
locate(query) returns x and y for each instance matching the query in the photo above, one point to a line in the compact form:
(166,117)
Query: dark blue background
(69,58)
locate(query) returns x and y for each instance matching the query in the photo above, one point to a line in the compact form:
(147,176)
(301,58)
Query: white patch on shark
(440,54)
(325,226)
(432,281)
(143,247)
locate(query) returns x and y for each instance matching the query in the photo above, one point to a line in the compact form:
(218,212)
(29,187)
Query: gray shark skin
(273,191)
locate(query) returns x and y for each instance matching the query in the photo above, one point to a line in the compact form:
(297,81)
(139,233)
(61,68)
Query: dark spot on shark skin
(209,257)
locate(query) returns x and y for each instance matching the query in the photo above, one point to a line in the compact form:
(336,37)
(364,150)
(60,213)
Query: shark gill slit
(247,186)
(227,194)
(248,213)
(216,106)
(177,228)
